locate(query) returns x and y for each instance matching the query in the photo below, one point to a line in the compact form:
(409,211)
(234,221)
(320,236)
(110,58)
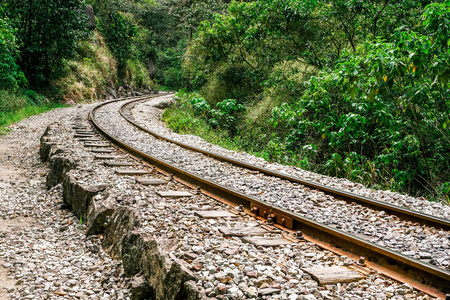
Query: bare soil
(9,172)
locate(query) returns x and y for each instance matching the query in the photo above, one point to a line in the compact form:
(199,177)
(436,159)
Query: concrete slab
(102,150)
(174,194)
(151,181)
(132,172)
(266,241)
(78,131)
(240,232)
(332,275)
(97,145)
(83,135)
(214,214)
(90,139)
(119,164)
(106,157)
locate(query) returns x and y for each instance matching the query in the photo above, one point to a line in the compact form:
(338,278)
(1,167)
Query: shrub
(382,115)
(11,77)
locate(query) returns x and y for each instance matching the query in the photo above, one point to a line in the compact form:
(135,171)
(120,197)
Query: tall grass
(15,107)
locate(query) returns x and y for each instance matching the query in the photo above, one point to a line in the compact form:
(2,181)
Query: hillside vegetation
(355,89)
(59,51)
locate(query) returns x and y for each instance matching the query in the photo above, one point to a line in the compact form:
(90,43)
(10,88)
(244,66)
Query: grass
(7,119)
(185,122)
(164,88)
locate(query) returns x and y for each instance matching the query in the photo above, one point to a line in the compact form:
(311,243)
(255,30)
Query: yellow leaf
(323,135)
(385,78)
(414,68)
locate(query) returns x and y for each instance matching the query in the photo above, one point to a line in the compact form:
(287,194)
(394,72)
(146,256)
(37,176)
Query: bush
(11,102)
(11,77)
(48,32)
(382,115)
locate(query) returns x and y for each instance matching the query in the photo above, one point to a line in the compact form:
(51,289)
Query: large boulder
(123,221)
(59,166)
(99,214)
(164,273)
(77,195)
(111,92)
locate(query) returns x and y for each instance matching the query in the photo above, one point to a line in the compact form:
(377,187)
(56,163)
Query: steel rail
(422,275)
(349,197)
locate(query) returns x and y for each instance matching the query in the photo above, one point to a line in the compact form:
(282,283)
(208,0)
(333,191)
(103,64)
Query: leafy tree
(47,32)
(119,30)
(383,112)
(11,77)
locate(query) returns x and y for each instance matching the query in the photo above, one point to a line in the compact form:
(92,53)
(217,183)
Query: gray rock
(140,290)
(268,292)
(47,142)
(78,196)
(123,221)
(59,166)
(91,17)
(111,92)
(98,215)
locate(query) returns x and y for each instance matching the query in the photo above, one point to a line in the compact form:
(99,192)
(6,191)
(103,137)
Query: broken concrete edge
(166,277)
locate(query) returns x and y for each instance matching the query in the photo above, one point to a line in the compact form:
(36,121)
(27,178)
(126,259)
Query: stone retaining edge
(156,273)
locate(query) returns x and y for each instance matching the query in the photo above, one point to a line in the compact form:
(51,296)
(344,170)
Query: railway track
(421,274)
(403,213)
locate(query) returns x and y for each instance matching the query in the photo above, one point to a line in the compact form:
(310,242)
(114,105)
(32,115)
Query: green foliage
(34,98)
(259,35)
(138,74)
(119,30)
(88,77)
(47,34)
(10,102)
(182,119)
(381,115)
(169,60)
(15,107)
(11,77)
(225,116)
(355,89)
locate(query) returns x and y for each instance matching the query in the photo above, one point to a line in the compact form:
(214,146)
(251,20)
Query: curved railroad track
(182,168)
